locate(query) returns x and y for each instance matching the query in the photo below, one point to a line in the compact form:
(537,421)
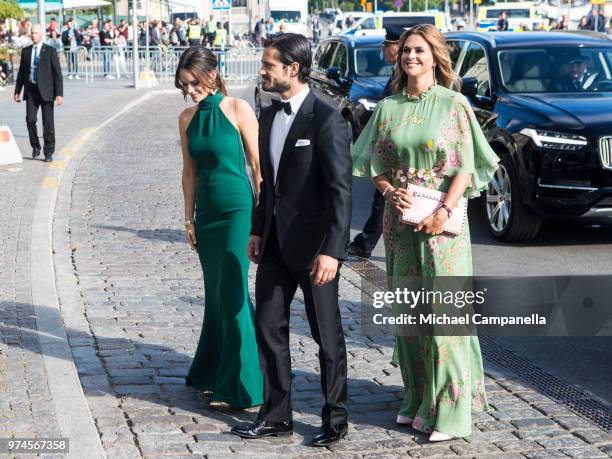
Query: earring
(434,75)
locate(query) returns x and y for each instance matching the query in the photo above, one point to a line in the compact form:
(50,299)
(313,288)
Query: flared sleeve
(468,150)
(370,157)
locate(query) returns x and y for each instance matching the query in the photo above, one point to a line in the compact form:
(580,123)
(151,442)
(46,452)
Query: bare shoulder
(186,116)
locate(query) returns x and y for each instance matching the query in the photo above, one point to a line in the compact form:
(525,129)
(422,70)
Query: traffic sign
(477,2)
(9,151)
(221,4)
(598,2)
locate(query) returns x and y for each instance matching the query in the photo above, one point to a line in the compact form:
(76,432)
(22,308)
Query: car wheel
(508,218)
(257,103)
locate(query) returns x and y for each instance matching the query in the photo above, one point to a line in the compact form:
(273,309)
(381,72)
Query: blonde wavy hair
(443,67)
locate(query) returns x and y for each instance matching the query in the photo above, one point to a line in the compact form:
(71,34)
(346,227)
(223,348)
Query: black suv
(350,74)
(544,101)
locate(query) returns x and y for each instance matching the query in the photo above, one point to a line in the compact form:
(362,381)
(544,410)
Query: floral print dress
(427,140)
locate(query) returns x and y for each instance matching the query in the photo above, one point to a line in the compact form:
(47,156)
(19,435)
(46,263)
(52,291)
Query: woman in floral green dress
(427,135)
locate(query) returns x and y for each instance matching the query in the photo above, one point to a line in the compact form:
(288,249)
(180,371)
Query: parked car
(349,73)
(544,101)
(376,24)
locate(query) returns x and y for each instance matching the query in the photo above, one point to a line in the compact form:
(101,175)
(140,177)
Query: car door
(337,88)
(321,63)
(476,81)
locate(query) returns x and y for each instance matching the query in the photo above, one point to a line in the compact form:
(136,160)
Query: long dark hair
(443,70)
(200,61)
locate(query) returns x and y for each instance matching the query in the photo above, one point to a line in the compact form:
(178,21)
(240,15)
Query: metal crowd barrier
(238,65)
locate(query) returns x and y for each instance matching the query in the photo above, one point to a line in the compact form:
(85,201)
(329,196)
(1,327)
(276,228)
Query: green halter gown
(226,361)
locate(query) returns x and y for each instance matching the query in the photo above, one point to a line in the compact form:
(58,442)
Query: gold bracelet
(389,187)
(189,222)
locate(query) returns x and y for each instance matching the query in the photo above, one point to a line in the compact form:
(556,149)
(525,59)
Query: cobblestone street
(131,295)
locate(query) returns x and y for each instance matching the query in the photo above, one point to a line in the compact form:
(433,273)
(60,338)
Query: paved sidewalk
(26,407)
(131,292)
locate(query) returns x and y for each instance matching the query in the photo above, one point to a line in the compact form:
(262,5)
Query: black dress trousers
(33,102)
(275,288)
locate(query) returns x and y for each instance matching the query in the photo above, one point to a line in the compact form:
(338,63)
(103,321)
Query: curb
(71,408)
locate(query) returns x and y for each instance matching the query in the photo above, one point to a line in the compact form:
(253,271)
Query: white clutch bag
(426,201)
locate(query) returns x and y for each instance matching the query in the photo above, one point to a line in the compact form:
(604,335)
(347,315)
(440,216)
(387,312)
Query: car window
(326,55)
(475,66)
(341,59)
(368,24)
(370,62)
(557,69)
(454,50)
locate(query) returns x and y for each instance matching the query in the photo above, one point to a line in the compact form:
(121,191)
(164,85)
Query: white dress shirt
(281,125)
(39,46)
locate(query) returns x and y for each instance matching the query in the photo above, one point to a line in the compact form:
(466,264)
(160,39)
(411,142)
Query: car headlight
(368,104)
(555,140)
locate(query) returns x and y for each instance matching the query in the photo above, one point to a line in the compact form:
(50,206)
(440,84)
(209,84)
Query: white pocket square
(302,142)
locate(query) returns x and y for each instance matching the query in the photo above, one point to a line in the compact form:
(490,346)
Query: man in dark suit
(365,242)
(299,237)
(40,76)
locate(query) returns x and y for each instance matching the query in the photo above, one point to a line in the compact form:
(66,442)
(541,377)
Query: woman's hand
(191,237)
(434,224)
(401,198)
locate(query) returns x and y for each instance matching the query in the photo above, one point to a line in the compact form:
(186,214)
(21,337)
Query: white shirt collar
(297,100)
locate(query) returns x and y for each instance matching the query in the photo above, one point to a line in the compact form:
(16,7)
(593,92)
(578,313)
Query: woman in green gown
(427,135)
(219,198)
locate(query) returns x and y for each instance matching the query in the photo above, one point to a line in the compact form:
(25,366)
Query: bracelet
(447,209)
(389,187)
(189,222)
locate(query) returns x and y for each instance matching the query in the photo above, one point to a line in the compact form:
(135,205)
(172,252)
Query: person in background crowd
(316,29)
(260,32)
(93,33)
(596,15)
(584,23)
(194,33)
(53,25)
(4,34)
(220,40)
(71,38)
(124,29)
(210,30)
(219,140)
(564,24)
(349,21)
(270,27)
(119,46)
(364,243)
(502,22)
(55,41)
(40,77)
(106,39)
(427,135)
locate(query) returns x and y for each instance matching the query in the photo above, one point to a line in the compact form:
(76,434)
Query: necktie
(280,105)
(35,66)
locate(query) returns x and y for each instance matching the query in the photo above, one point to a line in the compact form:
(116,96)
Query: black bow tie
(280,105)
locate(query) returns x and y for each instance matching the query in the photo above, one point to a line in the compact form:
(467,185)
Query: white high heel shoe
(403,420)
(439,436)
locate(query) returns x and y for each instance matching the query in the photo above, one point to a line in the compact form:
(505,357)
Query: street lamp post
(41,14)
(135,46)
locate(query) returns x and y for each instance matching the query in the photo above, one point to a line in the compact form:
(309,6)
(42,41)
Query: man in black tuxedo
(299,237)
(40,76)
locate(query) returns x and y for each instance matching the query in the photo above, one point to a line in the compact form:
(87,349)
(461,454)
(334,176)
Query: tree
(10,9)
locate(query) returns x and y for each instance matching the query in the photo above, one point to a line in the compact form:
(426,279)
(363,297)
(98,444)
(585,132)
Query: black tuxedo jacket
(50,83)
(311,199)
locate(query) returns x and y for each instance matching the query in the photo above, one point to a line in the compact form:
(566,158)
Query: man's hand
(17,97)
(59,100)
(254,248)
(324,269)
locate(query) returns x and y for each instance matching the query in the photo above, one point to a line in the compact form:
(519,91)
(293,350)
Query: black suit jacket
(311,198)
(50,83)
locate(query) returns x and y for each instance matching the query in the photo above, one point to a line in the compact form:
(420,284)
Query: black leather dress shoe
(48,159)
(356,251)
(35,152)
(262,428)
(330,433)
